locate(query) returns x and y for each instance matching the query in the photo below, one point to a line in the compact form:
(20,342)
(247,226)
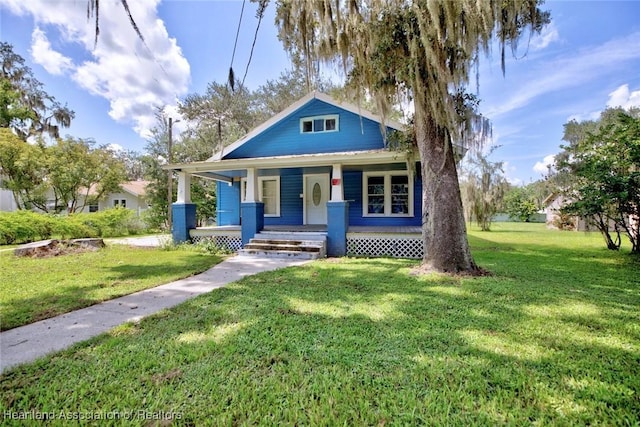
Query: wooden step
(270,246)
(279,247)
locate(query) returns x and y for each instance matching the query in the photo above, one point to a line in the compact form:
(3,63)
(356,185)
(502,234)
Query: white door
(316,196)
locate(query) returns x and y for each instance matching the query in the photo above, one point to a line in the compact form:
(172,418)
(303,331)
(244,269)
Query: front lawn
(33,289)
(552,338)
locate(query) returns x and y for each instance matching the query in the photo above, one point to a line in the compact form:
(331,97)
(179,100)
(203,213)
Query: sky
(586,60)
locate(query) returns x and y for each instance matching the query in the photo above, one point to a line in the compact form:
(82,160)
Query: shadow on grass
(549,339)
(120,280)
(47,305)
(135,271)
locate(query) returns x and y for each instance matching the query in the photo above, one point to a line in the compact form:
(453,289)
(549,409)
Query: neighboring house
(554,203)
(131,197)
(319,166)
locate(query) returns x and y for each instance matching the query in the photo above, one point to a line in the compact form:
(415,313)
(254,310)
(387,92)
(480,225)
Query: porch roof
(214,169)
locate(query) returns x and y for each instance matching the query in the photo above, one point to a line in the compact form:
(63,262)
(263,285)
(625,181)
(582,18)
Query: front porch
(393,241)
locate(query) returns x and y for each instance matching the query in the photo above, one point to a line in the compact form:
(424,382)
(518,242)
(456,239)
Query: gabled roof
(297,105)
(135,188)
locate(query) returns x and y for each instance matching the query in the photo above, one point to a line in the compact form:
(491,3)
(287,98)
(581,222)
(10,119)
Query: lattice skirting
(385,246)
(229,243)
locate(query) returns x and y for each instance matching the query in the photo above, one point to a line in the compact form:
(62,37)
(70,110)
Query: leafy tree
(604,163)
(520,203)
(25,107)
(79,173)
(156,155)
(483,187)
(24,170)
(132,161)
(425,49)
(276,95)
(71,168)
(220,115)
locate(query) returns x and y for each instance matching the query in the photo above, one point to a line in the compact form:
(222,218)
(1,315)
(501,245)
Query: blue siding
(284,138)
(228,199)
(291,204)
(290,201)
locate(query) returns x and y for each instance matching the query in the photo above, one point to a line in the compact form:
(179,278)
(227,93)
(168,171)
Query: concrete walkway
(27,343)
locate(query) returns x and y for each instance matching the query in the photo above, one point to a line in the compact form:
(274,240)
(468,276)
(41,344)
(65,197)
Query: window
(269,196)
(120,202)
(387,194)
(93,207)
(375,195)
(400,194)
(319,124)
(268,193)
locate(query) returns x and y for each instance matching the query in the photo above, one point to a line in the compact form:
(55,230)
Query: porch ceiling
(351,158)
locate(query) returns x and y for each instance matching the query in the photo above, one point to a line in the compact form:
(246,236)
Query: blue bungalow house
(320,167)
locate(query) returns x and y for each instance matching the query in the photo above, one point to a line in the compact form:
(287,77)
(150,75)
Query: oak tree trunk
(444,231)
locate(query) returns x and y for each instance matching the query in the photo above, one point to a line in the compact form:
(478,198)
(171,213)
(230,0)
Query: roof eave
(352,158)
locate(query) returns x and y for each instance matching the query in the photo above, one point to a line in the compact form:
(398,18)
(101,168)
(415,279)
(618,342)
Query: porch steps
(306,245)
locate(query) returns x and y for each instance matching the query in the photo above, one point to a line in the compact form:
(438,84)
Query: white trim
(324,118)
(348,158)
(337,190)
(184,188)
(297,105)
(387,194)
(261,179)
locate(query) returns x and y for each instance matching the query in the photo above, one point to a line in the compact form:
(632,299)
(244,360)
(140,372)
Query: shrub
(24,226)
(108,223)
(564,222)
(27,226)
(211,247)
(68,227)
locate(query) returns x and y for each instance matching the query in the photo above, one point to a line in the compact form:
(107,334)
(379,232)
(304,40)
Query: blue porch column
(252,220)
(337,223)
(183,211)
(184,219)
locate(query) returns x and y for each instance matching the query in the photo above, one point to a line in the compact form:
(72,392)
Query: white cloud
(549,35)
(135,77)
(621,97)
(571,71)
(543,166)
(42,53)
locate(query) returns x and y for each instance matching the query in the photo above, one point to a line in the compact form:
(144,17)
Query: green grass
(33,289)
(552,338)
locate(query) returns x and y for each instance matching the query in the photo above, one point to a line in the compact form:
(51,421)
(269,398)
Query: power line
(261,7)
(235,44)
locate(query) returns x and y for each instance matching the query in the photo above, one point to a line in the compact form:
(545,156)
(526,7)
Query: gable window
(387,194)
(268,193)
(120,202)
(319,124)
